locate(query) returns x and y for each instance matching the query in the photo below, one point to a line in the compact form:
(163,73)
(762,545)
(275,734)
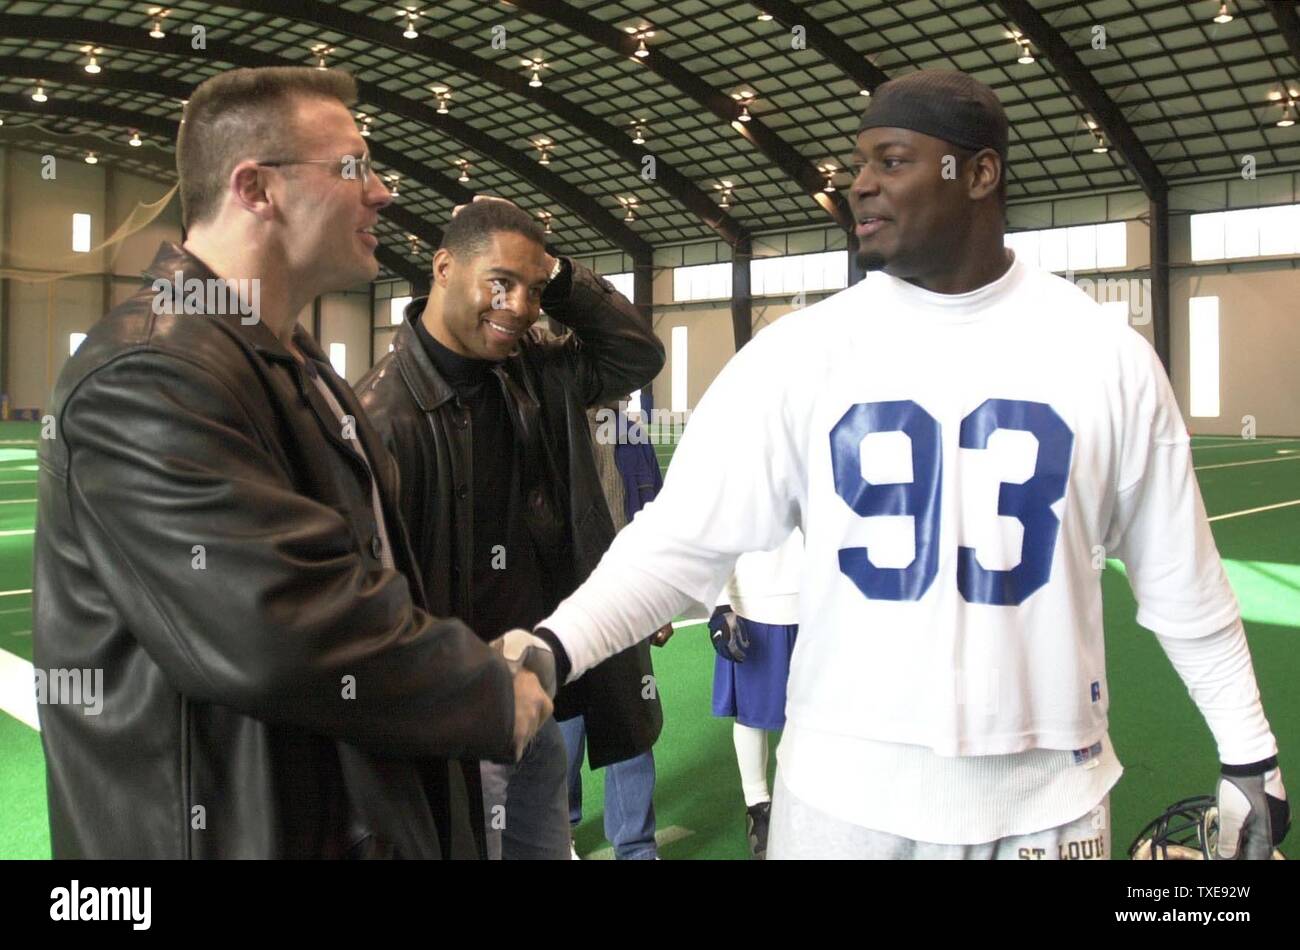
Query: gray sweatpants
(526,803)
(801,832)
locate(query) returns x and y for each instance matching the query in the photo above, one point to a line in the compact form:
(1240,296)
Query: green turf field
(1252,493)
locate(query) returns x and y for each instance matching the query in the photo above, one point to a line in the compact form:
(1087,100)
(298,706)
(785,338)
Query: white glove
(1254,815)
(524,651)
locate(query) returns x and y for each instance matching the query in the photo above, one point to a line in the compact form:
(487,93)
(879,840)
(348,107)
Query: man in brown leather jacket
(219,538)
(486,416)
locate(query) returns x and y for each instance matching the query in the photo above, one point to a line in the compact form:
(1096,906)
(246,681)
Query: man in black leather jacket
(218,538)
(486,416)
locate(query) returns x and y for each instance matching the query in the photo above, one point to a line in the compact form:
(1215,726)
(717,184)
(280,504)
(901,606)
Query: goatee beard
(871,260)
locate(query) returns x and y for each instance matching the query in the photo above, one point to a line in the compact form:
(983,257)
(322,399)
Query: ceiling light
(536,66)
(92,67)
(864,92)
(1224,16)
(321,51)
(91,159)
(392,187)
(464,171)
(1288,115)
(39,95)
(744,97)
(764,16)
(409,32)
(158,13)
(642,33)
(1101,148)
(1026,57)
(135,141)
(639,137)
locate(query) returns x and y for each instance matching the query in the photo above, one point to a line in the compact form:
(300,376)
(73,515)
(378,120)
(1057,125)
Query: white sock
(751,757)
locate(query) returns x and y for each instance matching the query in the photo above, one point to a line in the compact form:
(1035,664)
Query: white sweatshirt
(765,585)
(961,466)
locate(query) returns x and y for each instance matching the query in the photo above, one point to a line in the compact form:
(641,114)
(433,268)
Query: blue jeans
(629,796)
(523,802)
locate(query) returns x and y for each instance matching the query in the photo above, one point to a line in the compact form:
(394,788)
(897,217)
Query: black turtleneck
(502,597)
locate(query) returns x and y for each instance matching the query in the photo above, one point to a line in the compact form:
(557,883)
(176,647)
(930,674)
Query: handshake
(533,667)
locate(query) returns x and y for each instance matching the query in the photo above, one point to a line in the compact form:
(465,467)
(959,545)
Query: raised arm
(612,349)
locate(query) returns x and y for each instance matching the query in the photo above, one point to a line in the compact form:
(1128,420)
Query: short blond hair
(242,114)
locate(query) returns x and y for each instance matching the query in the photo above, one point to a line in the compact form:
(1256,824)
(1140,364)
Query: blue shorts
(754,691)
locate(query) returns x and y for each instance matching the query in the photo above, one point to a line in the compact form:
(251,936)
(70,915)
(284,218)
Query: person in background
(485,413)
(754,630)
(629,479)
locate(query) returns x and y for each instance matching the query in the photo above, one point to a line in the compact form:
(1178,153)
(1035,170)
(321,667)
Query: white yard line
(1251,511)
(662,837)
(19,501)
(14,534)
(18,689)
(1202,468)
(1244,443)
(14,593)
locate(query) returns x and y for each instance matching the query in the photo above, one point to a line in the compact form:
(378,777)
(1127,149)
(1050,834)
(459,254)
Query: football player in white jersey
(962,439)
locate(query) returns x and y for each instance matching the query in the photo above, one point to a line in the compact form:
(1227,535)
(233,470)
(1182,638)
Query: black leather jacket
(548,384)
(206,537)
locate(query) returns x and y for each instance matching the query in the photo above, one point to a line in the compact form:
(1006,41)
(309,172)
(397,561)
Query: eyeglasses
(349,166)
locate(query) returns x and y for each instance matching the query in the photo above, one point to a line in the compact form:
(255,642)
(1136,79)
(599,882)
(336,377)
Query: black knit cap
(948,105)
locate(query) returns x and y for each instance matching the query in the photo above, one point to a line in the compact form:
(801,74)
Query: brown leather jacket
(548,384)
(206,537)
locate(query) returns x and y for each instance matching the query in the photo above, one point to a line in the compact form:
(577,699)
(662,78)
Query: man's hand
(533,666)
(726,633)
(532,708)
(1254,815)
(661,636)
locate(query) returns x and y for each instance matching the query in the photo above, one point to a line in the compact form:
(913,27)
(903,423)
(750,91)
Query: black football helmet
(1187,830)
